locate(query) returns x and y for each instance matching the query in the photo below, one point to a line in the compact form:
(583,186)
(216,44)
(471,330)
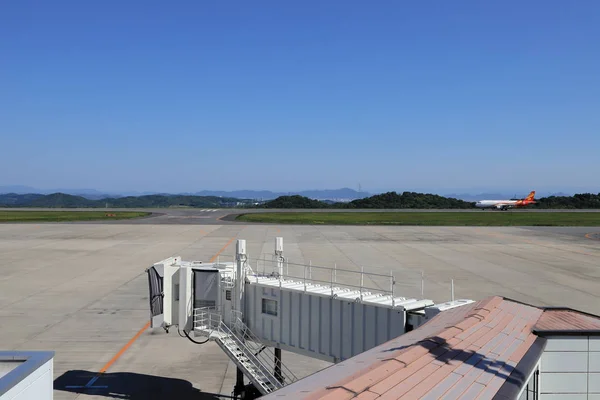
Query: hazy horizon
(22,189)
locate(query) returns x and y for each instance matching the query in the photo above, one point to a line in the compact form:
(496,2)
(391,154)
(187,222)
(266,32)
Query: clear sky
(124,95)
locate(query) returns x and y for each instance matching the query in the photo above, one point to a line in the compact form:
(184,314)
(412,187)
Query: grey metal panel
(558,382)
(594,343)
(381,323)
(564,362)
(285,317)
(593,396)
(563,396)
(304,321)
(336,318)
(398,323)
(369,319)
(314,332)
(594,361)
(325,314)
(32,360)
(317,324)
(295,321)
(346,339)
(594,383)
(567,343)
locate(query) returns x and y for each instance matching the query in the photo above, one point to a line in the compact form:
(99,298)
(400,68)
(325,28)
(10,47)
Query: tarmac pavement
(80,288)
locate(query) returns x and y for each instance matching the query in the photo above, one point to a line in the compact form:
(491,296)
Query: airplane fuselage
(499,204)
(503,204)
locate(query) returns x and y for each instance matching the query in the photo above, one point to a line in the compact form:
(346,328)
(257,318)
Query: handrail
(214,321)
(249,355)
(286,373)
(326,268)
(333,273)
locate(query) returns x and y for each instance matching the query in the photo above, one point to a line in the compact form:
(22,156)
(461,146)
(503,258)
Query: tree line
(393,200)
(389,200)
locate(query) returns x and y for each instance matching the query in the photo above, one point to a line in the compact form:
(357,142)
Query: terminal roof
(481,350)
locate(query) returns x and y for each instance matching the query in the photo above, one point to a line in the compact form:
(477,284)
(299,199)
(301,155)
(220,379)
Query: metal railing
(206,319)
(328,277)
(209,320)
(212,321)
(409,282)
(261,351)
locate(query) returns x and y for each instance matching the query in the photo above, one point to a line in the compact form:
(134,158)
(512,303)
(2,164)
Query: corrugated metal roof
(369,296)
(461,353)
(565,320)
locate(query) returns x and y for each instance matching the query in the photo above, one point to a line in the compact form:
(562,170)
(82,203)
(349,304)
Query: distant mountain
(63,200)
(91,194)
(18,189)
(344,194)
(18,200)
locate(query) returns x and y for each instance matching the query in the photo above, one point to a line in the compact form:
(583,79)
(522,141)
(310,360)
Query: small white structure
(26,375)
(246,311)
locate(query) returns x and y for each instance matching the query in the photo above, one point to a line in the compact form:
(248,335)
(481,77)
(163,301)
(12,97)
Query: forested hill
(407,200)
(295,201)
(412,200)
(61,200)
(390,200)
(578,201)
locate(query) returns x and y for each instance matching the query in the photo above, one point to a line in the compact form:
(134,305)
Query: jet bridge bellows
(247,311)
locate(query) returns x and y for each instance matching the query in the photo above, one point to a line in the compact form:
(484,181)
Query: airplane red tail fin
(531,195)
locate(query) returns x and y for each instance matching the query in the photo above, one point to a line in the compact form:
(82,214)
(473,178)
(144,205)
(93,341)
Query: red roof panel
(467,353)
(567,320)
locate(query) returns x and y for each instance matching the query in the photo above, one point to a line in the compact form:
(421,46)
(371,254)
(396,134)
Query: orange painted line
(137,335)
(124,349)
(222,249)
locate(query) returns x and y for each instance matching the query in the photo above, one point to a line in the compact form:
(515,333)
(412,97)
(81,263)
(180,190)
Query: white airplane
(506,204)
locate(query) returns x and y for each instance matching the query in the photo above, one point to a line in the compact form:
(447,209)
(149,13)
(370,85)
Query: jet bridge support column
(280,259)
(240,276)
(279,255)
(240,259)
(278,364)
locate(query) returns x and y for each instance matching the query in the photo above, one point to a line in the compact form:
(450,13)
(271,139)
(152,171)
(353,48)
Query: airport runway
(226,216)
(80,288)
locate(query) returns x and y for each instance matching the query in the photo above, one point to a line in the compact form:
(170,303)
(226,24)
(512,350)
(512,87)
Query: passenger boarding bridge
(252,315)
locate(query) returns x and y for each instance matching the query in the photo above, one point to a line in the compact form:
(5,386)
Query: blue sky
(289,95)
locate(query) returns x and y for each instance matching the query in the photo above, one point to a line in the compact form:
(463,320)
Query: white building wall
(318,325)
(36,386)
(570,368)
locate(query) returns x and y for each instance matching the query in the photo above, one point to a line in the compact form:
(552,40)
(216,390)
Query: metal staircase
(244,348)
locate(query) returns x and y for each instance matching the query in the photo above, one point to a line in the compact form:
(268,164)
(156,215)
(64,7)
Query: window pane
(269,306)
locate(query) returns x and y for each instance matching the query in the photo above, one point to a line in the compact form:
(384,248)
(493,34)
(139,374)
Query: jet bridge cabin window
(269,307)
(206,288)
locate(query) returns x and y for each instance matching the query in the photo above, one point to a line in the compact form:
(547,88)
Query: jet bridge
(247,312)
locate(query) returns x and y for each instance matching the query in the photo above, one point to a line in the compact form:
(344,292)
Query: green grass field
(65,216)
(490,218)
